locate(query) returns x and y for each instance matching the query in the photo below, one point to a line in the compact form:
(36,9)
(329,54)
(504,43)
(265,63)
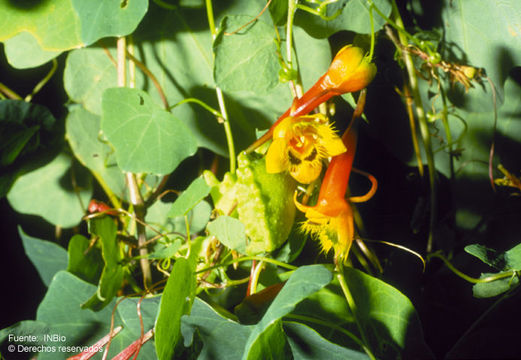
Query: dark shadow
(27,4)
(427,14)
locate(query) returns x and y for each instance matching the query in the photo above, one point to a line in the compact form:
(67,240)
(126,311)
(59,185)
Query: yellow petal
(335,146)
(306,172)
(283,127)
(276,157)
(330,141)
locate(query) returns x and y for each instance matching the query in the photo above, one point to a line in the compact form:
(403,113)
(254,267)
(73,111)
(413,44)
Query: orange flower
(300,145)
(349,71)
(331,219)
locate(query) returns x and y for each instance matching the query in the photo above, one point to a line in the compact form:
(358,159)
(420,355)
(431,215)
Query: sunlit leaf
(88,72)
(248,59)
(63,25)
(230,232)
(195,192)
(146,138)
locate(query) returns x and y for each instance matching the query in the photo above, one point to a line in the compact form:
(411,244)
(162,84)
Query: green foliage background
(73,139)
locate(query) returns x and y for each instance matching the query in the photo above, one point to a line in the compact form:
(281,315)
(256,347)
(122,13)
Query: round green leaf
(48,192)
(88,72)
(145,137)
(60,25)
(246,60)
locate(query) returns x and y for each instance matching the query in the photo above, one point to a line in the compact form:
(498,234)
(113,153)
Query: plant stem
(9,93)
(248,258)
(42,82)
(296,88)
(135,196)
(204,105)
(412,124)
(151,76)
(487,279)
(140,212)
(422,120)
(352,306)
(446,127)
(220,97)
(255,278)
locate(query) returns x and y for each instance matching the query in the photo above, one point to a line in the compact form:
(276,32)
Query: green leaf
(179,54)
(47,257)
(388,318)
(48,192)
(60,310)
(307,344)
(494,288)
(248,59)
(85,261)
(279,12)
(157,216)
(353,15)
(485,34)
(270,344)
(146,138)
(513,258)
(176,301)
(88,72)
(229,231)
(63,25)
(329,304)
(112,276)
(82,131)
(22,328)
(189,198)
(29,134)
(211,326)
(100,19)
(488,256)
(303,282)
(23,51)
(166,251)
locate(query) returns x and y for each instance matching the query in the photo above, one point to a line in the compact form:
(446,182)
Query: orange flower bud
(349,71)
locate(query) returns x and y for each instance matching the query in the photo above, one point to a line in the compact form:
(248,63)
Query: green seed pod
(264,202)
